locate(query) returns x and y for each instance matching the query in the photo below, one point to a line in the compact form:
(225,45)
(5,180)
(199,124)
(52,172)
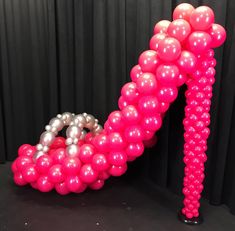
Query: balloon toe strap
(190,221)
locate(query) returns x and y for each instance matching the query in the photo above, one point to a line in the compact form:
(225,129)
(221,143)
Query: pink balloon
(14,167)
(73,183)
(198,42)
(134,134)
(135,149)
(148,134)
(26,150)
(58,156)
(22,162)
(187,62)
(163,107)
(167,94)
(44,185)
(135,73)
(181,79)
(218,35)
(71,166)
(161,26)
(148,105)
(148,61)
(30,174)
(152,123)
(202,18)
(117,170)
(55,174)
(117,158)
(59,142)
(19,179)
(167,74)
(97,185)
(61,188)
(116,121)
(116,141)
(101,143)
(130,93)
(150,143)
(179,29)
(86,153)
(154,41)
(88,174)
(104,175)
(169,49)
(131,115)
(122,103)
(99,162)
(183,11)
(43,164)
(146,84)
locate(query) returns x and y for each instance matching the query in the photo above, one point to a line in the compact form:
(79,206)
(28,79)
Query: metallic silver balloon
(57,123)
(90,121)
(39,147)
(37,155)
(83,134)
(69,141)
(67,118)
(73,131)
(98,129)
(79,119)
(72,150)
(47,138)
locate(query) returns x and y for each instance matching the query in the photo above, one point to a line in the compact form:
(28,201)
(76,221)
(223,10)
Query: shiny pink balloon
(55,174)
(19,179)
(61,188)
(183,11)
(148,105)
(43,164)
(167,75)
(199,41)
(88,174)
(152,123)
(117,158)
(179,29)
(117,170)
(22,162)
(148,61)
(26,150)
(202,18)
(30,173)
(135,73)
(167,94)
(58,156)
(130,93)
(122,103)
(154,41)
(131,115)
(116,121)
(135,149)
(73,183)
(134,134)
(101,143)
(86,153)
(161,26)
(99,162)
(187,62)
(97,184)
(147,84)
(44,185)
(116,141)
(218,35)
(169,49)
(71,166)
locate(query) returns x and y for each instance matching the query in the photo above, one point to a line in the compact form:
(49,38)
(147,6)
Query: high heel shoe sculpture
(181,52)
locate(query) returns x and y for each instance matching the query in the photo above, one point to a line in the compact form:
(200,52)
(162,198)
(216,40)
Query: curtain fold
(75,55)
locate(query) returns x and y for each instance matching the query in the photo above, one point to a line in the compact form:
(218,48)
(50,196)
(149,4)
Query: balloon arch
(181,52)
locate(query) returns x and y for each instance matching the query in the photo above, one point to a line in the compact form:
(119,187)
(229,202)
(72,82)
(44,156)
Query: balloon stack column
(181,52)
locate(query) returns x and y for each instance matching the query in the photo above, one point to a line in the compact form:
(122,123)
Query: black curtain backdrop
(74,55)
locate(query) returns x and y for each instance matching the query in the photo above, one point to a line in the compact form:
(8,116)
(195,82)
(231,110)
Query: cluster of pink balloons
(180,52)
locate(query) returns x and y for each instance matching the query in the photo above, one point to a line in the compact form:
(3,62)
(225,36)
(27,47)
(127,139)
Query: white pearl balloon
(57,123)
(47,138)
(73,131)
(72,150)
(37,155)
(67,118)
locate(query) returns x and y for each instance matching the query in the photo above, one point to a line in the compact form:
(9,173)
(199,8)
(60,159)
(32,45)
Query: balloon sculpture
(180,53)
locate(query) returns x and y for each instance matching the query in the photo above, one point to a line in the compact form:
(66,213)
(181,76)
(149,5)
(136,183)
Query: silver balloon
(72,150)
(83,134)
(79,119)
(57,123)
(98,129)
(47,138)
(37,155)
(69,141)
(39,147)
(45,149)
(90,121)
(67,118)
(73,131)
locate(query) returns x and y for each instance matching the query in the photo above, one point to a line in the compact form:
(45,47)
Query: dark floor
(120,206)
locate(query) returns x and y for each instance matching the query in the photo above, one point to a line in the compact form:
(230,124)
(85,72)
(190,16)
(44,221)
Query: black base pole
(190,221)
